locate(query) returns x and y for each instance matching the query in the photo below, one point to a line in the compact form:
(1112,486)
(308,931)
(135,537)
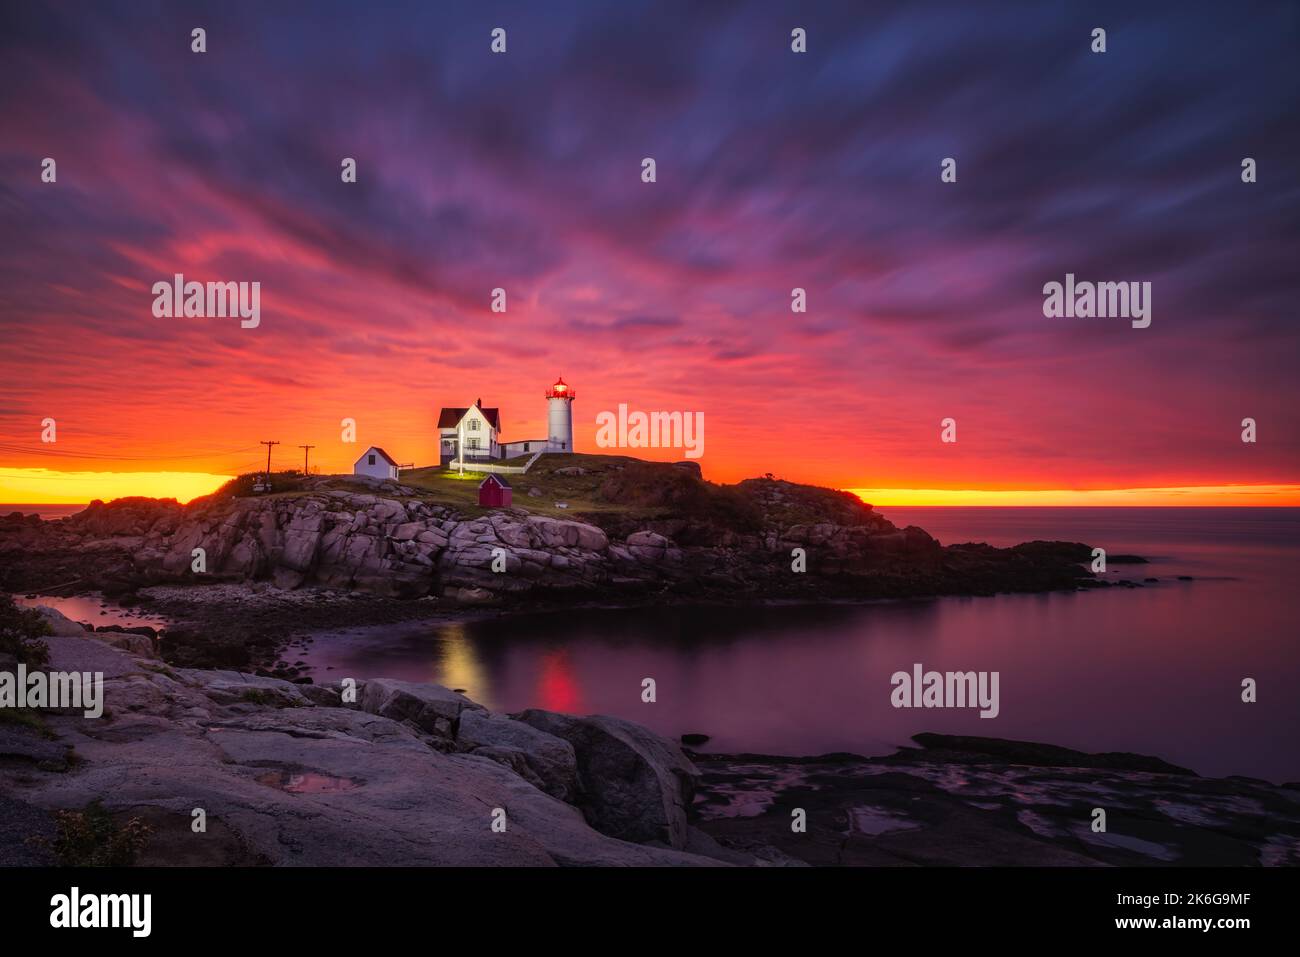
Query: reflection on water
(1155,670)
(557,687)
(94,610)
(457,667)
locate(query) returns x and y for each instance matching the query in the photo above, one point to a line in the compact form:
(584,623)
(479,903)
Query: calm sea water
(47,512)
(1156,670)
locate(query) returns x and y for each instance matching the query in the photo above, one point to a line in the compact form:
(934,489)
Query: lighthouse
(559,417)
(475,432)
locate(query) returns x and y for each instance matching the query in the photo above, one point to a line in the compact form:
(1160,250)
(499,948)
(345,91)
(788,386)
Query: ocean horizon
(44,511)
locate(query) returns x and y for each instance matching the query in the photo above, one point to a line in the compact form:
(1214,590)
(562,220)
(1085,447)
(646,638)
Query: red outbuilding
(494,491)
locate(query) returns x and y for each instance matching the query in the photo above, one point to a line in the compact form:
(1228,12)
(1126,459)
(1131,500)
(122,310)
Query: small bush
(21,631)
(242,486)
(91,838)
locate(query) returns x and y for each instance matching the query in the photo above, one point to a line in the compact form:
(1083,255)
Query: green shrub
(242,486)
(680,493)
(21,631)
(91,838)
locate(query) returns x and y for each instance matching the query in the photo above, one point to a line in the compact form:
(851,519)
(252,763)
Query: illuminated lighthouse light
(474,433)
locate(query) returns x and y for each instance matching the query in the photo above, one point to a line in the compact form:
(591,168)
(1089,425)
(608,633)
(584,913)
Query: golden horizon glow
(34,486)
(53,487)
(1191,495)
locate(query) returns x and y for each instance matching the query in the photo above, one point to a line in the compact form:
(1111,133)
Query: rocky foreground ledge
(958,801)
(413,774)
(703,541)
(408,774)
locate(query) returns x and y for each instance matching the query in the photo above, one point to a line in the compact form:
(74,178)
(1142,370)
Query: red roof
(449,418)
(387,458)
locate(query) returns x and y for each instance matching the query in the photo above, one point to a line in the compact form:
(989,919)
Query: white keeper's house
(475,432)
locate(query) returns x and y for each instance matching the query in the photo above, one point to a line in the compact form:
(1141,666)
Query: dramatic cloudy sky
(775,170)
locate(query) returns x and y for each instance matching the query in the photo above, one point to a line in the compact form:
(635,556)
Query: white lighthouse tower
(559,417)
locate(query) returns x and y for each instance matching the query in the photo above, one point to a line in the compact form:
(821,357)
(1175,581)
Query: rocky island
(200,721)
(588,528)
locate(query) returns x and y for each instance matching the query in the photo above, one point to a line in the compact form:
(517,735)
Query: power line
(305,448)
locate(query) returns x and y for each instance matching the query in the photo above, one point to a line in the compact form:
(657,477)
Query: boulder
(556,533)
(287,578)
(633,784)
(142,646)
(469,596)
(551,760)
(235,687)
(407,531)
(648,546)
(431,708)
(301,539)
(60,624)
(71,653)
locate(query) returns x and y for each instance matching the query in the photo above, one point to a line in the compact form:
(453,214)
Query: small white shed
(376,463)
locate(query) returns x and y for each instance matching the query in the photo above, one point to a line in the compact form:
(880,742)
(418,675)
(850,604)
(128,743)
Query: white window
(473,425)
(473,443)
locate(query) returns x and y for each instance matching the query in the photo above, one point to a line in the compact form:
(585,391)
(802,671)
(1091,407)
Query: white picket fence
(480,466)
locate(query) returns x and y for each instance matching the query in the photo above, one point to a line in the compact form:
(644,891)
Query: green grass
(444,487)
(519,459)
(580,492)
(615,490)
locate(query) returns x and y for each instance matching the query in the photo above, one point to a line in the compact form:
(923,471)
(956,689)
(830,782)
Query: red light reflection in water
(557,686)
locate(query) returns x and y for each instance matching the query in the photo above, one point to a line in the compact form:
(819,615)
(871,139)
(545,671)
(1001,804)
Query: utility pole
(268,457)
(304,457)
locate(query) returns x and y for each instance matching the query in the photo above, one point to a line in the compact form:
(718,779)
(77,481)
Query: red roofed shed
(494,492)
